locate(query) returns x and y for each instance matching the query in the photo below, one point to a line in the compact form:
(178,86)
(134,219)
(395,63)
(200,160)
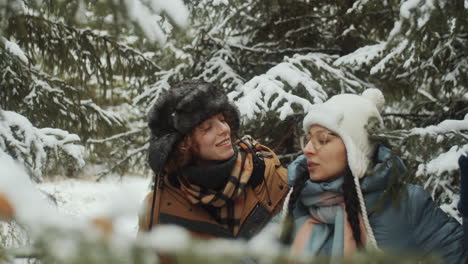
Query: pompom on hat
(179,110)
(349,115)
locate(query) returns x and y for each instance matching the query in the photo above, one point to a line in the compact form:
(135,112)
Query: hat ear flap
(159,150)
(158,120)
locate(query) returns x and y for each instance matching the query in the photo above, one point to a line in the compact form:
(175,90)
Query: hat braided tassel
(371,242)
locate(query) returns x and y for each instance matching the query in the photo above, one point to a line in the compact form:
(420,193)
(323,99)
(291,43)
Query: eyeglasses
(318,139)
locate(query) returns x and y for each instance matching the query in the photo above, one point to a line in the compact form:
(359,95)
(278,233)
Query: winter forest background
(78,77)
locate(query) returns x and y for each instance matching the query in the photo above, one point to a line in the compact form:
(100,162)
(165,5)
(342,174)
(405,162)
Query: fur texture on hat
(179,110)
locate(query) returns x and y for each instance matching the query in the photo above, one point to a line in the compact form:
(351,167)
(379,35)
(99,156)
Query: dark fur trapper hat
(179,110)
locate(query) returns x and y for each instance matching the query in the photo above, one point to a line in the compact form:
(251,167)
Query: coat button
(281,187)
(168,203)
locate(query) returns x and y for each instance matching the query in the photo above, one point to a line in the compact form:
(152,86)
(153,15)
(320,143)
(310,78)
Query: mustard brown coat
(263,200)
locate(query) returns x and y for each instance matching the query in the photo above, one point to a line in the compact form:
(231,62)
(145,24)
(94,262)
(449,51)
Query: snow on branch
(444,162)
(13,48)
(360,57)
(115,137)
(436,162)
(416,12)
(280,88)
(17,191)
(146,15)
(151,93)
(109,117)
(131,154)
(218,69)
(447,161)
(34,147)
(446,126)
(392,54)
(47,100)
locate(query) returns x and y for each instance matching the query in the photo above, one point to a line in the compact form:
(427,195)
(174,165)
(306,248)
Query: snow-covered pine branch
(218,70)
(130,154)
(431,155)
(300,80)
(149,15)
(424,26)
(446,161)
(79,53)
(49,101)
(152,92)
(36,147)
(360,58)
(88,106)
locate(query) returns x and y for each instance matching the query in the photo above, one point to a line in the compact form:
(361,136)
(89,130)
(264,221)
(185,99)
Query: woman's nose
(223,128)
(309,148)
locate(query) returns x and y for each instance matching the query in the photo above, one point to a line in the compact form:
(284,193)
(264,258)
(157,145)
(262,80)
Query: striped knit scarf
(230,200)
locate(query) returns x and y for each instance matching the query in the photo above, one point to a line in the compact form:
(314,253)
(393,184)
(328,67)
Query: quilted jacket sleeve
(434,231)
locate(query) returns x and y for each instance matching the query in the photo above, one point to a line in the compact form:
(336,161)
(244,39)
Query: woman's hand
(463,203)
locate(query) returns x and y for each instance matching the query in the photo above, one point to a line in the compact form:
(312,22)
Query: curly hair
(183,155)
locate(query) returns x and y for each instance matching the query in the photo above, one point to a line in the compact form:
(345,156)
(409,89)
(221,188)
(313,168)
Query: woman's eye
(323,139)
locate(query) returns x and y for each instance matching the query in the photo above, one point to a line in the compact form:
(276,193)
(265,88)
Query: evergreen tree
(276,58)
(68,64)
(92,69)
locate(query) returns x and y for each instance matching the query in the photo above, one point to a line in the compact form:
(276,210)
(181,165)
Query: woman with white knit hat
(341,198)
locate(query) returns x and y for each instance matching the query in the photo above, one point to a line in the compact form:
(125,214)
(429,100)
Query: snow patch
(220,2)
(30,206)
(175,9)
(445,162)
(150,22)
(23,139)
(268,92)
(13,48)
(444,127)
(360,57)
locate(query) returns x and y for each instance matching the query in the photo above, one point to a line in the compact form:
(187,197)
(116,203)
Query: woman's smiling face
(213,140)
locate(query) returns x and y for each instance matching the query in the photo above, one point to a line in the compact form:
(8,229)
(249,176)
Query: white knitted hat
(348,115)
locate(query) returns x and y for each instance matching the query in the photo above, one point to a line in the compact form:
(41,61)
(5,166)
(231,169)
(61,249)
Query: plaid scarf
(230,200)
(324,217)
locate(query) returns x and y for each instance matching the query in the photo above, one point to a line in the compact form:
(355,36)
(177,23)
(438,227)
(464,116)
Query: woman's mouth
(312,165)
(225,142)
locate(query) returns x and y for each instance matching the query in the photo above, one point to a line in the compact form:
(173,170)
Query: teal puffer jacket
(415,224)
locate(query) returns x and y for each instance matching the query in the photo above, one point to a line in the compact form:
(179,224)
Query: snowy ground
(79,198)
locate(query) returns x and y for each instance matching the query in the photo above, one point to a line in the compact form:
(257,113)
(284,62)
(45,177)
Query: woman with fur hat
(206,180)
(340,199)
